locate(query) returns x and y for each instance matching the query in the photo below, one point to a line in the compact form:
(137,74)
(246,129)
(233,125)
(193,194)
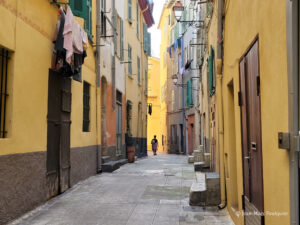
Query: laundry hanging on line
(70,44)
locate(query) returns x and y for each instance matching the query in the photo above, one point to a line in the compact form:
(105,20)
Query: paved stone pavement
(151,191)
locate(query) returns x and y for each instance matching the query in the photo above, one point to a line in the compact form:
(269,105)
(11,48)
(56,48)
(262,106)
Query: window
(147,40)
(129,60)
(128,117)
(119,43)
(130,11)
(121,40)
(139,69)
(83,9)
(4,58)
(189,93)
(103,18)
(137,21)
(146,82)
(86,107)
(210,64)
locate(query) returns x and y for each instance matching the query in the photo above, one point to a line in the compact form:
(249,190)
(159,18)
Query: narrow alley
(153,190)
(150,112)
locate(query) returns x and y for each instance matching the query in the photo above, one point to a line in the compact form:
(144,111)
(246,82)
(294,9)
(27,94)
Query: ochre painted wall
(154,120)
(135,92)
(27,29)
(244,21)
(165,31)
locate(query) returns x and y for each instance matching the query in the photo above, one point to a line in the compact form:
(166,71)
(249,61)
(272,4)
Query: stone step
(198,155)
(190,159)
(113,165)
(198,190)
(207,159)
(198,166)
(205,191)
(213,193)
(105,159)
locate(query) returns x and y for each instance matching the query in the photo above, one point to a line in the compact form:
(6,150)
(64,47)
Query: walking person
(154,144)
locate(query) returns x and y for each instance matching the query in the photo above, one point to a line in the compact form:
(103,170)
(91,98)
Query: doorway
(251,136)
(119,123)
(103,111)
(58,134)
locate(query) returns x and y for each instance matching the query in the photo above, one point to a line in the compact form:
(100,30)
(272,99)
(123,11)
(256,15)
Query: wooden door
(65,123)
(58,134)
(251,135)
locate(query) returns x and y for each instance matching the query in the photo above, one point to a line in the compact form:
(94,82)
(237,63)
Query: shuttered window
(121,40)
(139,69)
(86,107)
(130,11)
(147,40)
(129,60)
(146,82)
(211,71)
(189,93)
(83,9)
(137,21)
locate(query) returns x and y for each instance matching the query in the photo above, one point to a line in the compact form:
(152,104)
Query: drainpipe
(98,67)
(220,103)
(293,100)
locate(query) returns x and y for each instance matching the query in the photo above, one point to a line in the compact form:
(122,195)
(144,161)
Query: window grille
(4,57)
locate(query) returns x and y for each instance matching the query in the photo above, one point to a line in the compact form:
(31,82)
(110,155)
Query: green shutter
(83,9)
(149,44)
(188,93)
(129,60)
(145,38)
(211,71)
(78,8)
(121,40)
(88,19)
(137,21)
(139,69)
(130,11)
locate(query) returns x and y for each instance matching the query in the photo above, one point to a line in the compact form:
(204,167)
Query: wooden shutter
(211,71)
(86,107)
(149,44)
(145,37)
(139,69)
(137,21)
(78,8)
(121,40)
(83,9)
(188,93)
(129,60)
(88,19)
(130,11)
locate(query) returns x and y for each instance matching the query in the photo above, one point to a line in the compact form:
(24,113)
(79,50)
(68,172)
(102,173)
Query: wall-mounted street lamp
(178,9)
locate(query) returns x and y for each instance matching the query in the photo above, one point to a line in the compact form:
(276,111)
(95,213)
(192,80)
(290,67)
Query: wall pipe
(292,37)
(220,104)
(98,67)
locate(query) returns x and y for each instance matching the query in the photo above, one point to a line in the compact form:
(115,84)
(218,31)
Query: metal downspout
(292,37)
(98,67)
(220,105)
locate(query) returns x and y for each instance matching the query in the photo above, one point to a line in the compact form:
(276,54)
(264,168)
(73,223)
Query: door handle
(253,146)
(247,157)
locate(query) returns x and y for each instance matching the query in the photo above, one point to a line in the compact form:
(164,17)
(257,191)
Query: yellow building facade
(164,27)
(136,60)
(254,26)
(27,31)
(154,120)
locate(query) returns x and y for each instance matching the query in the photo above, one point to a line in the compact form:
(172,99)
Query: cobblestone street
(153,190)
